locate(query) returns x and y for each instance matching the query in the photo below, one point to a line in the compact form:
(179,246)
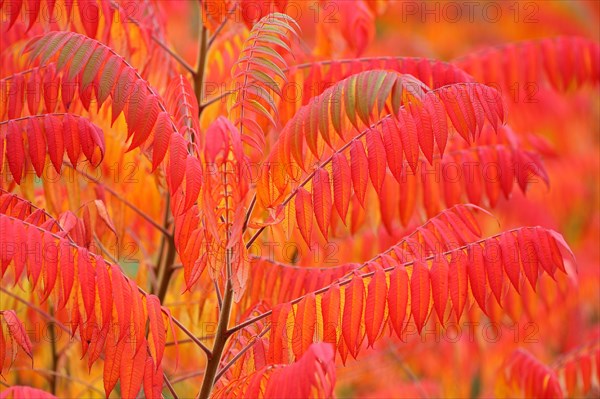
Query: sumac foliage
(284,199)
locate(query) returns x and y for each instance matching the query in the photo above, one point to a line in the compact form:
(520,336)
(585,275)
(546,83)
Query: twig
(187,376)
(30,305)
(192,337)
(170,386)
(116,195)
(65,376)
(241,352)
(172,53)
(222,25)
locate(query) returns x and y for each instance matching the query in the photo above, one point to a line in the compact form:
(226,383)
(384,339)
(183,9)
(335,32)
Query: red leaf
(424,129)
(398,298)
(177,160)
(420,293)
(16,329)
(16,155)
(322,200)
(352,317)
(376,158)
(56,146)
(304,214)
(24,392)
(493,267)
(375,305)
(36,142)
(330,310)
(528,255)
(162,135)
(67,274)
(104,292)
(71,138)
(153,380)
(193,181)
(342,184)
(476,272)
(278,333)
(457,281)
(157,327)
(50,266)
(408,136)
(304,325)
(439,285)
(132,369)
(87,283)
(360,166)
(510,259)
(439,123)
(393,147)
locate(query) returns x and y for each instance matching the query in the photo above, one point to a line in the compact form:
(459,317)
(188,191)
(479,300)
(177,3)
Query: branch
(170,386)
(165,269)
(221,335)
(155,39)
(123,200)
(312,174)
(188,376)
(241,352)
(216,98)
(140,290)
(249,213)
(219,29)
(43,210)
(192,336)
(172,53)
(65,376)
(200,67)
(219,296)
(186,341)
(347,280)
(32,306)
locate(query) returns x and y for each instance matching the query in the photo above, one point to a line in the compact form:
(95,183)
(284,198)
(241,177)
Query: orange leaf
(133,363)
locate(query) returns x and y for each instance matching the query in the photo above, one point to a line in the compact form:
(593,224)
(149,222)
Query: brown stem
(192,337)
(166,271)
(222,334)
(170,386)
(216,98)
(220,339)
(249,213)
(52,337)
(199,75)
(241,352)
